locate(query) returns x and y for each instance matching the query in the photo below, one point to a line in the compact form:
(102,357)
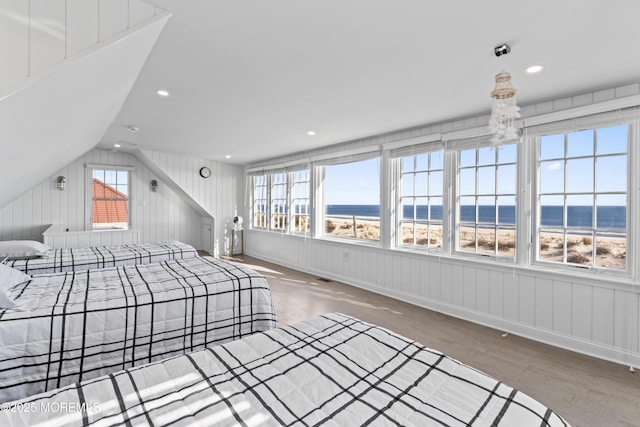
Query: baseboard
(553,338)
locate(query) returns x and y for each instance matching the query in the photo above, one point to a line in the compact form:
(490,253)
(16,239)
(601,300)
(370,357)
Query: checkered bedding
(329,370)
(74,326)
(60,260)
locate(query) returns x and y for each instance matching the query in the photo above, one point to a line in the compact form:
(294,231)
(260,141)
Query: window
(300,198)
(109,199)
(259,201)
(421,200)
(582,198)
(279,201)
(486,208)
(352,200)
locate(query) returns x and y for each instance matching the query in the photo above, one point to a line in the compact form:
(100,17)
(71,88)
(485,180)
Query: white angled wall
(219,194)
(158,216)
(35,34)
(589,314)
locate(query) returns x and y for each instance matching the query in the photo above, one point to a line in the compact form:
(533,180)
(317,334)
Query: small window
(259,201)
(486,206)
(352,200)
(110,199)
(582,198)
(300,201)
(421,200)
(279,207)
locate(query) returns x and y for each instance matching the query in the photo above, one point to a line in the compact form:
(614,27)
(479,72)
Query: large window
(421,200)
(352,200)
(300,201)
(109,199)
(582,197)
(486,208)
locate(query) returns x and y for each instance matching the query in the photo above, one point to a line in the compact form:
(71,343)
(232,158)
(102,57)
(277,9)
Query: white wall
(218,194)
(159,216)
(40,33)
(589,314)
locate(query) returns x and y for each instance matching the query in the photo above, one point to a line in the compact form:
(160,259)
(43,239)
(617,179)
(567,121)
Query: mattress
(332,370)
(72,326)
(77,259)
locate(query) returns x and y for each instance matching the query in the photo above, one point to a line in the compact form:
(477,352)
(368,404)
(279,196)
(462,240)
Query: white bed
(77,259)
(329,370)
(72,326)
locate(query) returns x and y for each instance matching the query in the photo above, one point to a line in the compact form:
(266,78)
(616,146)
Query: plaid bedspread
(73,326)
(60,260)
(330,370)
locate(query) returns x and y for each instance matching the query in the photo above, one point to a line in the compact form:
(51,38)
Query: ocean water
(609,217)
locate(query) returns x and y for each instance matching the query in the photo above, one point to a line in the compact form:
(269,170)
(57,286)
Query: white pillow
(22,248)
(9,277)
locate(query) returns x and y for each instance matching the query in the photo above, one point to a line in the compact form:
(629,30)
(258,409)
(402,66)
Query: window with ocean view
(259,201)
(421,198)
(300,201)
(279,206)
(352,200)
(486,203)
(582,198)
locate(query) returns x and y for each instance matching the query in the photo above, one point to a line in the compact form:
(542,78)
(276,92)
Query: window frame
(89,199)
(321,211)
(300,181)
(398,160)
(534,142)
(483,143)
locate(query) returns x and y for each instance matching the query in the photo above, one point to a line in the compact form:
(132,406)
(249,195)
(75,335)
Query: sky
(358,183)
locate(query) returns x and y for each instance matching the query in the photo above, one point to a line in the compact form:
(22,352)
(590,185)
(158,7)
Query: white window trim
(88,191)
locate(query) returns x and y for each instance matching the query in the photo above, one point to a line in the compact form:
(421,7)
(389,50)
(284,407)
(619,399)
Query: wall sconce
(61,182)
(154,185)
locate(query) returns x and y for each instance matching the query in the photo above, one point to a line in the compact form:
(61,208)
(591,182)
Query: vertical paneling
(47,33)
(527,300)
(14,41)
(496,293)
(511,297)
(581,316)
(544,310)
(114,17)
(603,316)
(158,216)
(82,28)
(562,307)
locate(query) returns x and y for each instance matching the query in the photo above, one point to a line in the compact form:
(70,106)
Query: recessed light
(535,69)
(116,145)
(227,156)
(133,129)
(163,93)
(311,133)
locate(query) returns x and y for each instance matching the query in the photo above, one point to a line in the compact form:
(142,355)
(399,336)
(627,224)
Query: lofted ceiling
(250,78)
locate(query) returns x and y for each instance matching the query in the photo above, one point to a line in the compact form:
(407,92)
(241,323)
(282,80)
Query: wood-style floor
(584,390)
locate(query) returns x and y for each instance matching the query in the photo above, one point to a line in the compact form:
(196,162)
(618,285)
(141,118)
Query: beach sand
(610,250)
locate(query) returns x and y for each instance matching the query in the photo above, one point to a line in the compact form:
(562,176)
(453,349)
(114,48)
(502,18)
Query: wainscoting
(591,315)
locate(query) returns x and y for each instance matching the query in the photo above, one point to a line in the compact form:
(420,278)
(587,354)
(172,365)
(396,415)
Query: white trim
(346,155)
(412,141)
(109,167)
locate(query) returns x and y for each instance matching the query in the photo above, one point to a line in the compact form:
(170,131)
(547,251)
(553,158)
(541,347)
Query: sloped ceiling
(249,78)
(56,117)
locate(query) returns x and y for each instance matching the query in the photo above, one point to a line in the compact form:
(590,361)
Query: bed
(77,259)
(329,370)
(72,326)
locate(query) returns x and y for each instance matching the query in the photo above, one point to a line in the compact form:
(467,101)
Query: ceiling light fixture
(227,156)
(535,69)
(311,133)
(133,129)
(163,93)
(116,145)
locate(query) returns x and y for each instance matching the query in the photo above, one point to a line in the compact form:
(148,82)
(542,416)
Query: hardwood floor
(586,391)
